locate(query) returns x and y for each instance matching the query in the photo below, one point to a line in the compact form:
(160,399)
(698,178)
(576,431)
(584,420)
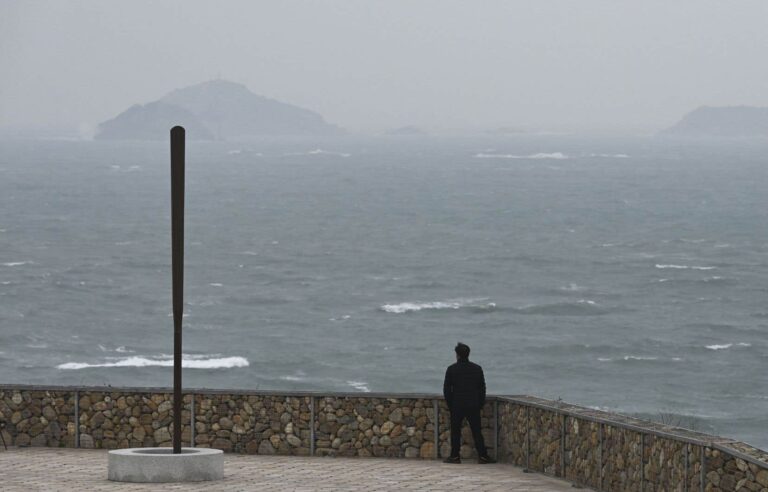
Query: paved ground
(49,469)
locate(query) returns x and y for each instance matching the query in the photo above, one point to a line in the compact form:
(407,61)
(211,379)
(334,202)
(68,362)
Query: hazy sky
(566,65)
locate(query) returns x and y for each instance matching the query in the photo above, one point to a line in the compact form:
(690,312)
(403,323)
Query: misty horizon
(591,67)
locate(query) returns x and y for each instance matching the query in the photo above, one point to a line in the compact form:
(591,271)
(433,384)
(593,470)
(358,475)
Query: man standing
(464,391)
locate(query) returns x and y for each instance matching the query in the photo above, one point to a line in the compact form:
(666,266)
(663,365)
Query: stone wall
(594,449)
(612,452)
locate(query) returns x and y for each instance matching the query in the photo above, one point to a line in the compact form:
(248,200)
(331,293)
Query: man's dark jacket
(464,386)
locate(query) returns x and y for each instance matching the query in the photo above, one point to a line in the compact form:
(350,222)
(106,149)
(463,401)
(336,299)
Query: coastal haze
(429,173)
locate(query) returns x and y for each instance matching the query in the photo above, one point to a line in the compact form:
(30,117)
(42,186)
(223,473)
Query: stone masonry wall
(590,448)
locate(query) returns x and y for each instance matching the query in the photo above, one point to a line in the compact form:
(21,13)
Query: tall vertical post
(177,251)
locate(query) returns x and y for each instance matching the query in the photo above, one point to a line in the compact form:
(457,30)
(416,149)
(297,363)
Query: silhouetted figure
(464,391)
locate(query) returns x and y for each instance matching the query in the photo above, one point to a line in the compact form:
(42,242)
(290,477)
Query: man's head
(462,351)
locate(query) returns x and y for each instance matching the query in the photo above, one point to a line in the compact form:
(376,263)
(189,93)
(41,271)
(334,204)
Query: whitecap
(719,346)
(216,284)
(299,375)
(539,155)
(292,378)
(141,361)
(724,346)
(360,386)
(319,151)
(684,267)
(408,307)
(572,288)
(639,357)
(17,263)
(122,350)
(614,156)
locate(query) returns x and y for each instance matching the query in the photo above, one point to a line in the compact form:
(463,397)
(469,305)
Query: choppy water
(626,274)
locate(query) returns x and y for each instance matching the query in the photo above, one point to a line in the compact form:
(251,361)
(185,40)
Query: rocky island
(215,110)
(729,121)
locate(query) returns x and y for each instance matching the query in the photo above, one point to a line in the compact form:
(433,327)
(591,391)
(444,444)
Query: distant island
(215,110)
(731,121)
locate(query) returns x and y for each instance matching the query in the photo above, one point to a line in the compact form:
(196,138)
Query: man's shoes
(485,460)
(452,460)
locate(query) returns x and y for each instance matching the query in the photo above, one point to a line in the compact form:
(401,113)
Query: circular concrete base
(161,465)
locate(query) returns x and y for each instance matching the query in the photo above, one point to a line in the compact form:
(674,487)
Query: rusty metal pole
(177,252)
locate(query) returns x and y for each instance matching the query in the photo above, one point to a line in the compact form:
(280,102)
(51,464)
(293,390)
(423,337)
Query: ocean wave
(187,362)
(582,307)
(319,152)
(725,346)
(17,263)
(684,267)
(715,279)
(636,358)
(409,307)
(539,155)
(244,151)
(572,288)
(297,376)
(612,156)
(359,386)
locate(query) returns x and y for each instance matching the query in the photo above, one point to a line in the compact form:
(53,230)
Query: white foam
(299,375)
(725,346)
(613,156)
(539,155)
(141,361)
(17,263)
(638,357)
(408,307)
(216,284)
(572,288)
(319,152)
(292,378)
(360,386)
(122,350)
(685,267)
(719,347)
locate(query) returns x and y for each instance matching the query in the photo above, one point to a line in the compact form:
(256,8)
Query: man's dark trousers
(472,414)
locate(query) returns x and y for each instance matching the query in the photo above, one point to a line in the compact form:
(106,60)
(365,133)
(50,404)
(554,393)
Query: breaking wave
(612,156)
(319,152)
(360,386)
(539,155)
(409,307)
(16,263)
(726,346)
(187,362)
(684,267)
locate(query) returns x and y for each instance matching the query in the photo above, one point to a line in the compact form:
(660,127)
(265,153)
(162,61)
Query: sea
(625,274)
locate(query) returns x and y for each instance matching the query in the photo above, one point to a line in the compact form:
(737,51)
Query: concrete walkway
(49,469)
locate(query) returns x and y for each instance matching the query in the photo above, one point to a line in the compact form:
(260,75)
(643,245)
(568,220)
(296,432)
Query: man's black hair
(462,351)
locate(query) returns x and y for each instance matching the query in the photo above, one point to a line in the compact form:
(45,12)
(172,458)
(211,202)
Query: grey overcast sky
(559,65)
